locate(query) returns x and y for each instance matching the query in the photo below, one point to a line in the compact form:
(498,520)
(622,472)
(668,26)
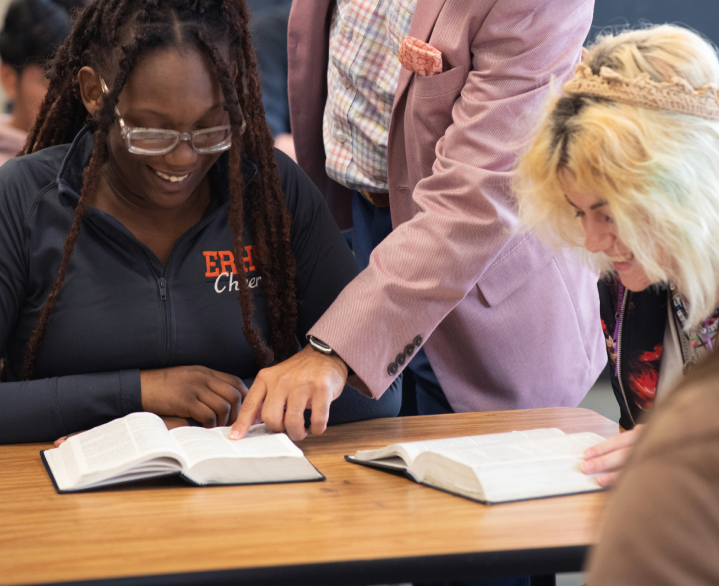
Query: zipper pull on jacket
(163,288)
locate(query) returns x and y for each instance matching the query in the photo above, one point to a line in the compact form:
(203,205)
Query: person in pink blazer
(505,322)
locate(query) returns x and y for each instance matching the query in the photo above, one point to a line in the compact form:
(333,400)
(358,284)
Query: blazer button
(417,341)
(400,359)
(392,368)
(409,350)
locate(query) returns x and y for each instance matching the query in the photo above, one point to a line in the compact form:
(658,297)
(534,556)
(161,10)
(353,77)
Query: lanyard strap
(617,325)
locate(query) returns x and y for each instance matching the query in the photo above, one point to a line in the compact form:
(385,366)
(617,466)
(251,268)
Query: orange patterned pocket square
(420,57)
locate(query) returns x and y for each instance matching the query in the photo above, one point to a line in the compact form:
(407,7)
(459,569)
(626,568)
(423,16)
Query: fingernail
(234,434)
(589,453)
(587,467)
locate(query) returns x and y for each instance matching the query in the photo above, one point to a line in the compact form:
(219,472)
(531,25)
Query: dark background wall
(701,15)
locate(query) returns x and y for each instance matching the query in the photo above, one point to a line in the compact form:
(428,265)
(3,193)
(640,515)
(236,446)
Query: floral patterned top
(638,346)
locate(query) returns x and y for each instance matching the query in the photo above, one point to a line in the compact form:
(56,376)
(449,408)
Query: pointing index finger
(248,410)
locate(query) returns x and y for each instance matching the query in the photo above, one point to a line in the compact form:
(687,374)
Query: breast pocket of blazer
(429,112)
(434,96)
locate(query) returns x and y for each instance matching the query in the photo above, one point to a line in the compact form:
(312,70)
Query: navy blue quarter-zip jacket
(120,309)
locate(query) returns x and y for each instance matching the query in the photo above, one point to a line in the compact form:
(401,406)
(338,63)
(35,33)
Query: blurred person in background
(32,31)
(624,166)
(269,38)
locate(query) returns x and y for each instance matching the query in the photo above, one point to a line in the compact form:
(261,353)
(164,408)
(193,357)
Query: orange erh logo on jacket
(220,265)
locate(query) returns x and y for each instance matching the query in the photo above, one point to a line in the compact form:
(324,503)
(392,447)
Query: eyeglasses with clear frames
(160,141)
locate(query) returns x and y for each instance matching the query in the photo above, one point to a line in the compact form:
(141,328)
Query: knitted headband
(675,96)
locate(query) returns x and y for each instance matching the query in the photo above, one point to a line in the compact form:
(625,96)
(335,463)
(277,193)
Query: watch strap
(319,346)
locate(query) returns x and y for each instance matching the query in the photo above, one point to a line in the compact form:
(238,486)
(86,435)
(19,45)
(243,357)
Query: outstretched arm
(466,212)
(325,266)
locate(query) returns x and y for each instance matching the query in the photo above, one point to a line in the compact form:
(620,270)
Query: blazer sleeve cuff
(366,377)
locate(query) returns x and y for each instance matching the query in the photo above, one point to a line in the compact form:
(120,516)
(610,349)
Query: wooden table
(361,526)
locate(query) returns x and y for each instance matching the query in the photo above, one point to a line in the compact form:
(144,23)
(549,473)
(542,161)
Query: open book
(493,468)
(139,446)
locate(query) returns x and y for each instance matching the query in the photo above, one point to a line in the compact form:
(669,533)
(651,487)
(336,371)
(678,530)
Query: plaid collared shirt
(361,82)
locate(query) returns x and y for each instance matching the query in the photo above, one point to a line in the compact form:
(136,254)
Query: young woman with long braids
(148,200)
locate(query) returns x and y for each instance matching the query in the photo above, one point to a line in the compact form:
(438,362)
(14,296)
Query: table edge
(465,566)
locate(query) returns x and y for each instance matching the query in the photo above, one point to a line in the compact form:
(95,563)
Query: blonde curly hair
(657,169)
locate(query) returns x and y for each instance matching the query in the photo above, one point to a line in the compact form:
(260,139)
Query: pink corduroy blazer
(506,322)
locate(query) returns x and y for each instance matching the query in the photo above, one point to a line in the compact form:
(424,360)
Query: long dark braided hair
(128,30)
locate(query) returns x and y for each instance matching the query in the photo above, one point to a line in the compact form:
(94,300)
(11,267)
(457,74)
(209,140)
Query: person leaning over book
(149,200)
(624,165)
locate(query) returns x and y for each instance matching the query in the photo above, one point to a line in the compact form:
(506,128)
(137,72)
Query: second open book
(493,468)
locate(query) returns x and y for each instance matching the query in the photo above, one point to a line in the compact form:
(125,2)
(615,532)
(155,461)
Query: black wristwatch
(320,346)
(325,349)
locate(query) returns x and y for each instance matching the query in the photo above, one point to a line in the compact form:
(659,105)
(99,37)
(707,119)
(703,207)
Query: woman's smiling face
(601,231)
(173,90)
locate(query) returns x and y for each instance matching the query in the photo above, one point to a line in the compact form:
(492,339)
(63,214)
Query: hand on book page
(607,458)
(281,393)
(211,397)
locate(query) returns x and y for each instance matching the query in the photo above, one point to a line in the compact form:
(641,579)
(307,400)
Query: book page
(260,457)
(498,473)
(110,450)
(199,444)
(537,449)
(409,451)
(117,443)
